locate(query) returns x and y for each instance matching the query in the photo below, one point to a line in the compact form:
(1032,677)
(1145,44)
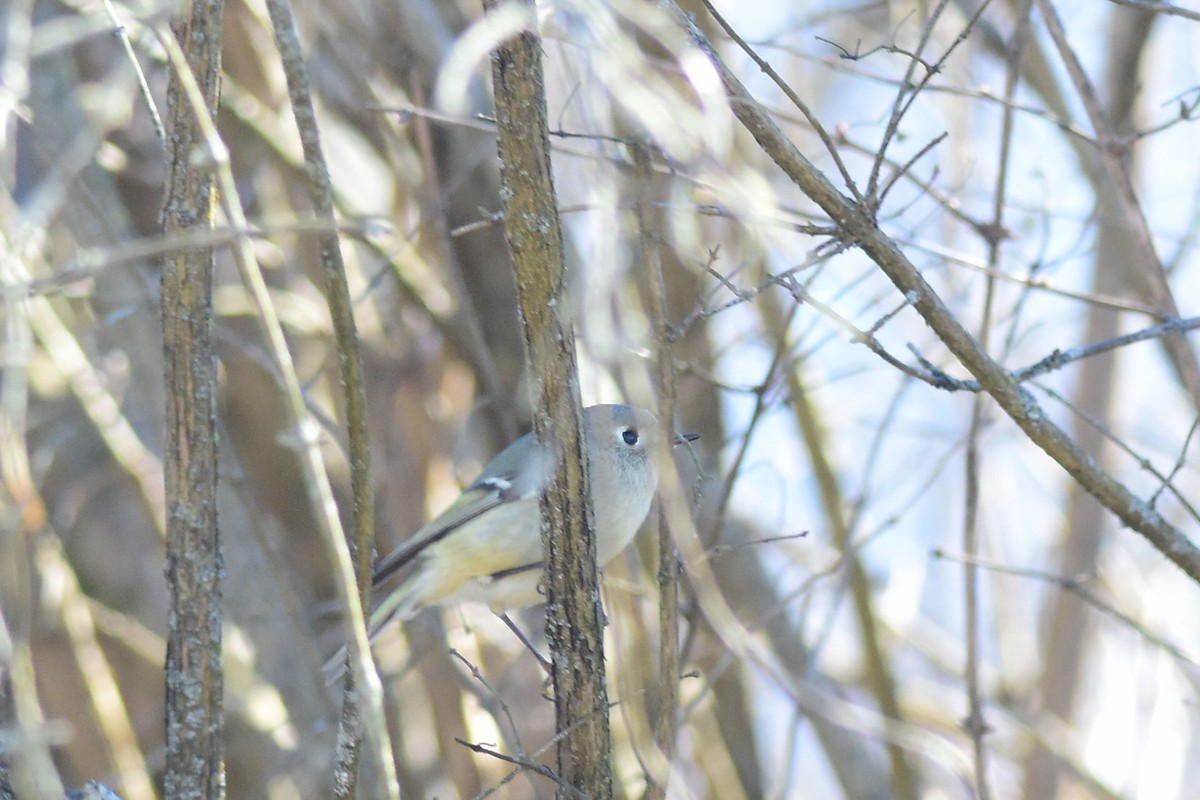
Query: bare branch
(858,226)
(341,309)
(195,763)
(568,530)
(1156,7)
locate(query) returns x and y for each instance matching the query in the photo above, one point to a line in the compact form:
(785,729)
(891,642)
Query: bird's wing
(509,478)
(489,492)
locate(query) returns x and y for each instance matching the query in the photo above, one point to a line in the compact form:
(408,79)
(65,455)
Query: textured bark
(195,765)
(535,239)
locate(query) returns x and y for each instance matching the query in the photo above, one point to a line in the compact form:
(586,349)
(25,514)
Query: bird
(487,546)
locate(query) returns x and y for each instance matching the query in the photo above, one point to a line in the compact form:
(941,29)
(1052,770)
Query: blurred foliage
(824,479)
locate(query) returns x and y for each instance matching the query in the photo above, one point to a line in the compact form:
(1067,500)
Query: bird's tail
(403,603)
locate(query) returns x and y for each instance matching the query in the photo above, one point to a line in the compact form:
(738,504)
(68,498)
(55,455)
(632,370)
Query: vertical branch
(572,589)
(668,561)
(22,514)
(195,764)
(316,477)
(876,665)
(1125,260)
(976,724)
(337,295)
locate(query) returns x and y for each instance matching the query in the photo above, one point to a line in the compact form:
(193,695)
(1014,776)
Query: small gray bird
(487,546)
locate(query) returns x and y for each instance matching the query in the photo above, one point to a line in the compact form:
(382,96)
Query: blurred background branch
(827,472)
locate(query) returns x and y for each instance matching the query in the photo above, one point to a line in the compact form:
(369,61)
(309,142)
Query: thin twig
(525,764)
(858,226)
(143,85)
(341,311)
(1075,585)
(1180,462)
(1155,7)
(1149,277)
(1142,461)
(791,95)
(876,665)
(650,268)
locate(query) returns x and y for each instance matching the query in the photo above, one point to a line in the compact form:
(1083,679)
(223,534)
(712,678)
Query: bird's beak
(684,438)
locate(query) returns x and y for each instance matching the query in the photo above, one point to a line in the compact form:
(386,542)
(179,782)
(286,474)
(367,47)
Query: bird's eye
(629,436)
